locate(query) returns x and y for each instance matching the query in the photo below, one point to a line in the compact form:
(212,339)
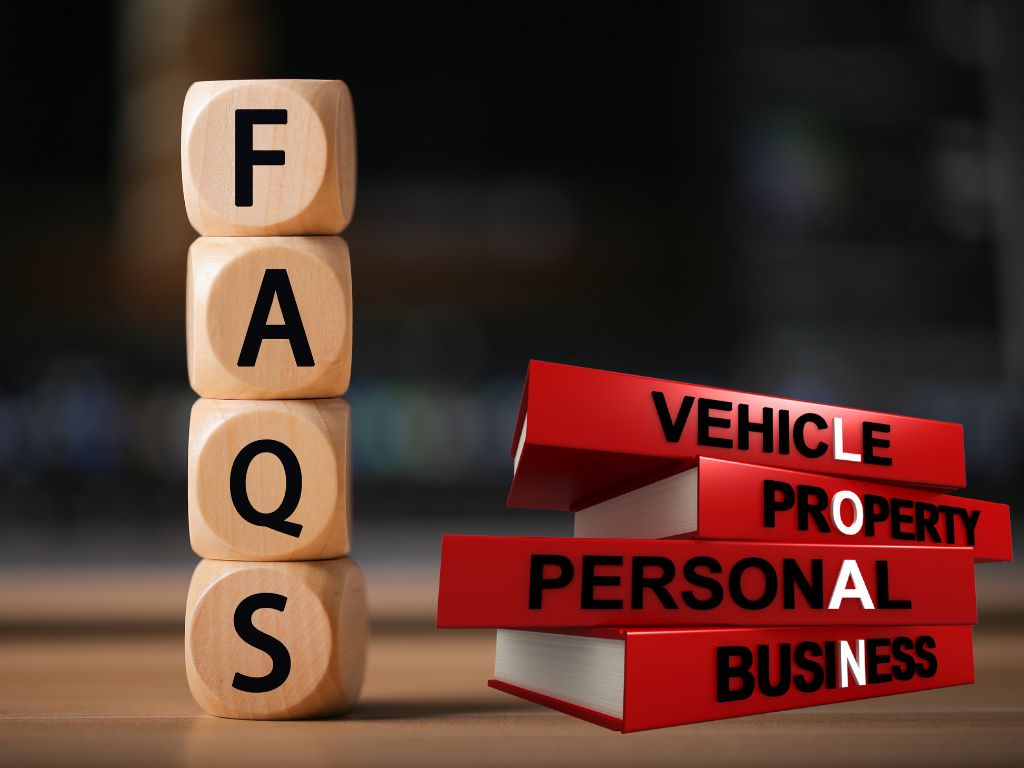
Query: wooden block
(269,317)
(268,479)
(268,157)
(276,641)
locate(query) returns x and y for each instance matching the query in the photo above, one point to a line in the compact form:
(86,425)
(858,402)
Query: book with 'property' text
(729,500)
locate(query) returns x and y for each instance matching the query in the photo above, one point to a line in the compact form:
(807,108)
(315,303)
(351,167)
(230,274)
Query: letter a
(850,573)
(275,283)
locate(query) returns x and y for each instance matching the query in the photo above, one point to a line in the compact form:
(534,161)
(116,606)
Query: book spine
(568,708)
(523,582)
(744,501)
(730,673)
(582,432)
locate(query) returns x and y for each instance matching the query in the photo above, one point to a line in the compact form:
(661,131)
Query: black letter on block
(246,157)
(278,519)
(538,583)
(271,646)
(275,283)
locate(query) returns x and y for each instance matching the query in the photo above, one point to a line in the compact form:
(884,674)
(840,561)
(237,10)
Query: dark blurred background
(815,200)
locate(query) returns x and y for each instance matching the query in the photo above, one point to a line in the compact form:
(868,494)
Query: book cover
(582,434)
(638,679)
(526,582)
(735,501)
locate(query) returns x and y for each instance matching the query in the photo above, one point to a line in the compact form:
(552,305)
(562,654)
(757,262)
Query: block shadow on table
(397,709)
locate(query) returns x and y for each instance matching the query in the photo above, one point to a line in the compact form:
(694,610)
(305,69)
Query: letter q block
(268,157)
(268,479)
(269,317)
(276,641)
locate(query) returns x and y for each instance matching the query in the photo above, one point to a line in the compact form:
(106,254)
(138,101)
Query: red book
(728,500)
(523,582)
(637,679)
(584,434)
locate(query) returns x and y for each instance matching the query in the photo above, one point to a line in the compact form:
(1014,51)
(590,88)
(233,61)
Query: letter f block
(268,157)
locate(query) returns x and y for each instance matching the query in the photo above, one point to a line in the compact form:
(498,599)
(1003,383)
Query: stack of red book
(734,553)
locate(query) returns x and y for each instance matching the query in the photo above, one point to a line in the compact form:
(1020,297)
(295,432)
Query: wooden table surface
(113,693)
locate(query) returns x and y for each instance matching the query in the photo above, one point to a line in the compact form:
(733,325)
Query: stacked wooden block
(276,621)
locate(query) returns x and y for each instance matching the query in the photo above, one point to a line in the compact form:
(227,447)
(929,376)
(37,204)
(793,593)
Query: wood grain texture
(323,625)
(314,524)
(313,192)
(119,699)
(225,276)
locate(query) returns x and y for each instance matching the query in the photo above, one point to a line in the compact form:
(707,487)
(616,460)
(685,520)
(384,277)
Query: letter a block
(276,641)
(268,157)
(268,480)
(269,317)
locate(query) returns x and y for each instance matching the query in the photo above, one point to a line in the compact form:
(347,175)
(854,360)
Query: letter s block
(269,317)
(276,641)
(268,479)
(268,157)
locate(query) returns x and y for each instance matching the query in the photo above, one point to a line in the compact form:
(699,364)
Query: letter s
(271,646)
